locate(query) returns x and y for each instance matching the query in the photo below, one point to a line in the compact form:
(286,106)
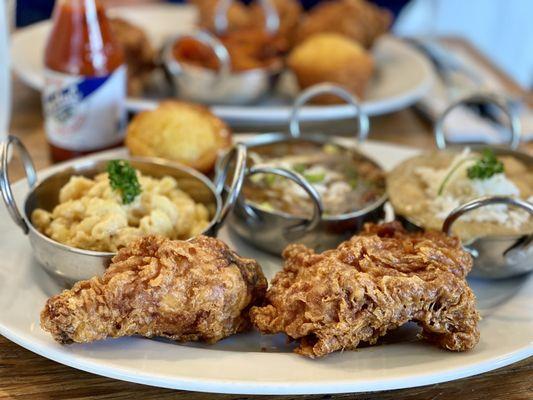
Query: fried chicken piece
(369,285)
(246,26)
(198,290)
(238,15)
(360,20)
(289,12)
(138,52)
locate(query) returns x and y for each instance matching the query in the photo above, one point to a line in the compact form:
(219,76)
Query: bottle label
(84,113)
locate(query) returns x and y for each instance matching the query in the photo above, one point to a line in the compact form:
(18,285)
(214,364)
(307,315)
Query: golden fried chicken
(289,13)
(360,20)
(138,51)
(238,15)
(369,285)
(186,291)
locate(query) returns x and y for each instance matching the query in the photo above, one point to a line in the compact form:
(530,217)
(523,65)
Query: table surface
(26,375)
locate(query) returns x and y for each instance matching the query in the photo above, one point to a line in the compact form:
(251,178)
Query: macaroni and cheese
(91,215)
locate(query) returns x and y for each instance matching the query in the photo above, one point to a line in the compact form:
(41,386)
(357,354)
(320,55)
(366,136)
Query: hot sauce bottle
(85,81)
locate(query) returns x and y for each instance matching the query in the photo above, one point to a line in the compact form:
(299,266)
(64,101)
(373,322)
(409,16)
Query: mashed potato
(90,214)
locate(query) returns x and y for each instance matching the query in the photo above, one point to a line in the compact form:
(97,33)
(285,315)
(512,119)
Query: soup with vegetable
(346,181)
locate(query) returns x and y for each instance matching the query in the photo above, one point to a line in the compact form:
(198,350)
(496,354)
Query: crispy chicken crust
(198,290)
(359,20)
(369,285)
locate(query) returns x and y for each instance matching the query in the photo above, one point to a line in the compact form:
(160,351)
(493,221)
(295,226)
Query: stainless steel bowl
(272,231)
(494,256)
(223,86)
(73,264)
(497,256)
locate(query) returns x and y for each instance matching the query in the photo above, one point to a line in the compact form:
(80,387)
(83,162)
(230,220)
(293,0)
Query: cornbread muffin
(179,131)
(331,57)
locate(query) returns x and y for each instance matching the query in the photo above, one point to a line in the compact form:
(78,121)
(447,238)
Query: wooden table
(25,375)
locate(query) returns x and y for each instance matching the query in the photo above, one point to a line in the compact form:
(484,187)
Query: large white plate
(238,364)
(403,76)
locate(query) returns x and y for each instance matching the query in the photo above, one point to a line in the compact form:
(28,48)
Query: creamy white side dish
(460,189)
(425,188)
(91,215)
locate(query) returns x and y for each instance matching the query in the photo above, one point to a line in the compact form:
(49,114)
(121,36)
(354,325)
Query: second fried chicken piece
(360,20)
(369,285)
(186,291)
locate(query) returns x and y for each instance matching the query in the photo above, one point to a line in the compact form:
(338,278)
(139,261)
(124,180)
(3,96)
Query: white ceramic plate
(403,76)
(238,364)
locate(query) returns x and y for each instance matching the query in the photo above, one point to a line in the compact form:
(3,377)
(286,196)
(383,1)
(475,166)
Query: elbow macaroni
(90,214)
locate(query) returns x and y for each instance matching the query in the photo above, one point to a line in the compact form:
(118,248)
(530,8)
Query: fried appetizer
(248,49)
(331,57)
(238,15)
(186,291)
(359,20)
(183,132)
(138,51)
(369,285)
(289,12)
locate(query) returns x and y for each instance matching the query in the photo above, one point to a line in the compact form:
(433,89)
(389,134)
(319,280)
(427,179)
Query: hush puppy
(331,57)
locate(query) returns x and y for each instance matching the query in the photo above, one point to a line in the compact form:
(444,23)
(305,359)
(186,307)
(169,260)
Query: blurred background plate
(403,75)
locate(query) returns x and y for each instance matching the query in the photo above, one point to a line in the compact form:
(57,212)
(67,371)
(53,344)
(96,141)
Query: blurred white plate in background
(403,76)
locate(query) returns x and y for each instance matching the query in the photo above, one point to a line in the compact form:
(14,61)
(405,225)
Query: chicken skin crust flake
(198,290)
(369,285)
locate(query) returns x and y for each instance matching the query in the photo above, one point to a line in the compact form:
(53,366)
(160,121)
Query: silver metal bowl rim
(172,64)
(269,70)
(150,160)
(473,240)
(277,137)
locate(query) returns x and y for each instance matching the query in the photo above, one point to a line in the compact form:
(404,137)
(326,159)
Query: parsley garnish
(484,168)
(487,166)
(315,177)
(300,168)
(122,178)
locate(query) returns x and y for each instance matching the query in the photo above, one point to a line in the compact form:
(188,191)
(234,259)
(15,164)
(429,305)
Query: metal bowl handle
(5,186)
(481,202)
(328,88)
(514,121)
(221,16)
(318,209)
(239,154)
(220,51)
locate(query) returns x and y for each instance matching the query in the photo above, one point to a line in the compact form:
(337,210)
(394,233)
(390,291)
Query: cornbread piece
(186,291)
(330,57)
(178,131)
(369,285)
